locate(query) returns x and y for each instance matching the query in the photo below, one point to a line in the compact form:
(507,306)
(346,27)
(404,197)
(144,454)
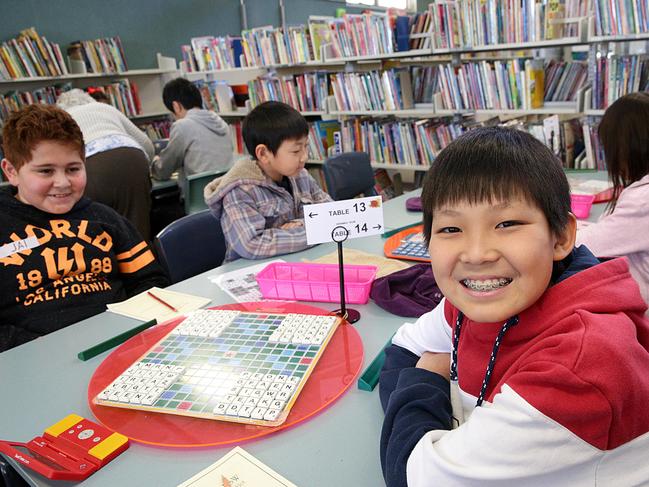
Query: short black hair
(496,163)
(270,124)
(184,92)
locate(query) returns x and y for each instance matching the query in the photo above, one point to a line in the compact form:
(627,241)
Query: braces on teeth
(486,286)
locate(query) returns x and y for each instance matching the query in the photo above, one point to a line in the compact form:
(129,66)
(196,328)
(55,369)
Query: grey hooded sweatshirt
(198,142)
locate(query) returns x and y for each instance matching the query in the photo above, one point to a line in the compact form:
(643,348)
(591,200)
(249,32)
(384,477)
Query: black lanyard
(492,359)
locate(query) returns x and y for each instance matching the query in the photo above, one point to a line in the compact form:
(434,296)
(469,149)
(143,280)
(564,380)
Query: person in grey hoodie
(199,141)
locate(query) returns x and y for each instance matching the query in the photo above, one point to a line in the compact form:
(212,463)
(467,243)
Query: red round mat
(334,373)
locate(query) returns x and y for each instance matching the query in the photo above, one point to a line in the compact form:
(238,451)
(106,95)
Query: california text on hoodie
(56,270)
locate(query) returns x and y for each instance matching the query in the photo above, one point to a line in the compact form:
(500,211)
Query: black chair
(191,245)
(349,174)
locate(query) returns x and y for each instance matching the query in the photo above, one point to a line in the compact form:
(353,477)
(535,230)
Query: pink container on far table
(580,204)
(302,281)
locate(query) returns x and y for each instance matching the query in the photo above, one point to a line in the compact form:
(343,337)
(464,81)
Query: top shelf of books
(461,26)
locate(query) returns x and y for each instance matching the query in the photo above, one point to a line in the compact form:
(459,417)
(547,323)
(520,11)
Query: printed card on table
(237,468)
(241,284)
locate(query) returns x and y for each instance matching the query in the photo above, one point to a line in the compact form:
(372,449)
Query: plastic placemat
(334,374)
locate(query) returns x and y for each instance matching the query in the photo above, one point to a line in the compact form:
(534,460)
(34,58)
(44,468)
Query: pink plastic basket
(581,204)
(315,282)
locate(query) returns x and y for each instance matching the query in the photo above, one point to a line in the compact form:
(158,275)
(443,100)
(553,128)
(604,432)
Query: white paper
(241,284)
(237,468)
(144,307)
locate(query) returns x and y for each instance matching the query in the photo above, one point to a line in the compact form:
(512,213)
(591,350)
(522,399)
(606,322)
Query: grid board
(227,365)
(408,244)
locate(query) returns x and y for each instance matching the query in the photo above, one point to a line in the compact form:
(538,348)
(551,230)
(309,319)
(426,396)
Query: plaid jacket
(251,208)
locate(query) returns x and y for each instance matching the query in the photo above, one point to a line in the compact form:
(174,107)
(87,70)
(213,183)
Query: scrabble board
(408,244)
(244,367)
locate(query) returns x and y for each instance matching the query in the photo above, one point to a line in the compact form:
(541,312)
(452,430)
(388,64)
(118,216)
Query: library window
(403,4)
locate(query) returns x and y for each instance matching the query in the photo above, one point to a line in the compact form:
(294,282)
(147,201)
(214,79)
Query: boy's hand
(292,224)
(439,363)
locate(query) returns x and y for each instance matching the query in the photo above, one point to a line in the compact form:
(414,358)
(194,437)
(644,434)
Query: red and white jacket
(567,403)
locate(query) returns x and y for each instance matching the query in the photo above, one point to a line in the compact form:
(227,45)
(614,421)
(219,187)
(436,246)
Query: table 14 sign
(360,217)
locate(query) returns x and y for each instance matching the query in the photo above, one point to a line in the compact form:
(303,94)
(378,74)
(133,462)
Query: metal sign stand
(351,315)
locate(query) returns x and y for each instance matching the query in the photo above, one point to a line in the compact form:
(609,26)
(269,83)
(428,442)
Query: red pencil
(161,301)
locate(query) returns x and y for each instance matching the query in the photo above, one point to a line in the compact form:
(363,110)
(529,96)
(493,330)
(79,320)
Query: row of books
(372,90)
(209,53)
(418,142)
(304,92)
(616,76)
(268,45)
(399,142)
(504,85)
(473,23)
(99,56)
(29,55)
(564,79)
(621,17)
(15,100)
(123,95)
(458,24)
(366,34)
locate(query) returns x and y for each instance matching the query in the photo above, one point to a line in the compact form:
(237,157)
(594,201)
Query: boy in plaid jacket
(259,201)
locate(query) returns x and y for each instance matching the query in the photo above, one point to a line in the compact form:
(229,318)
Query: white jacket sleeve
(430,333)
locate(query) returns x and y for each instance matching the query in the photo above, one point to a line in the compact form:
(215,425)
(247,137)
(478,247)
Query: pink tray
(315,282)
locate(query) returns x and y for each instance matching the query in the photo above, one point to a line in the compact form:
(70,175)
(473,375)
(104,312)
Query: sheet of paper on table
(237,468)
(145,307)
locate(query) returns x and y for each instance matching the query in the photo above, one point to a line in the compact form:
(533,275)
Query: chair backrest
(349,174)
(191,245)
(193,187)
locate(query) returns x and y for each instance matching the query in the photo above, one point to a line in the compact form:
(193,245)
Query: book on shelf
(237,138)
(383,185)
(536,82)
(320,34)
(555,13)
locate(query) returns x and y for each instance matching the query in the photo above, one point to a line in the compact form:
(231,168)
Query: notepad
(144,307)
(237,468)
